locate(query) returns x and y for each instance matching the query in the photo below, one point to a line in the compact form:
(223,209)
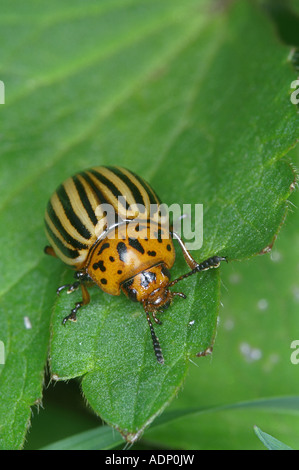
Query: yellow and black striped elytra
(105,223)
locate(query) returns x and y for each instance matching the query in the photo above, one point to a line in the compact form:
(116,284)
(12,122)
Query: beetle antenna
(156,344)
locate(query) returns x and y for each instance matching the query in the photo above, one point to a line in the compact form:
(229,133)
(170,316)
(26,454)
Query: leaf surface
(193,99)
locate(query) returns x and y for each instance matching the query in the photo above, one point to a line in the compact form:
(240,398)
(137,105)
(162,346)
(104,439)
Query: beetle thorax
(131,255)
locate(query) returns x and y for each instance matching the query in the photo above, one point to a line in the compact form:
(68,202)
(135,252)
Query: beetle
(132,254)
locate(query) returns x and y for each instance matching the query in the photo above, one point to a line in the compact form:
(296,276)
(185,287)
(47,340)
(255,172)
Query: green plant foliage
(99,438)
(269,441)
(195,100)
(251,358)
(104,438)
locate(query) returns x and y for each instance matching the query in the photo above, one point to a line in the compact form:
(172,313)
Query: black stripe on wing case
(154,199)
(70,214)
(85,200)
(111,186)
(63,232)
(60,245)
(132,186)
(97,192)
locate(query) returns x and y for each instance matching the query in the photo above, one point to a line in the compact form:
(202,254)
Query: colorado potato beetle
(101,223)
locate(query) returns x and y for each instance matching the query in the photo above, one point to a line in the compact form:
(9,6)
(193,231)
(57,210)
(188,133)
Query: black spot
(132,294)
(146,278)
(151,253)
(119,271)
(104,281)
(139,227)
(168,247)
(165,271)
(134,243)
(111,259)
(122,251)
(99,264)
(158,235)
(103,247)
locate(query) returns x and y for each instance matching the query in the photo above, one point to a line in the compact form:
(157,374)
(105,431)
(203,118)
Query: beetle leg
(188,258)
(85,295)
(85,300)
(73,315)
(70,287)
(209,263)
(49,251)
(81,277)
(156,320)
(180,294)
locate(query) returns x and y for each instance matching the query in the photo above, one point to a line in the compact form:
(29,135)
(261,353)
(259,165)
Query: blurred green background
(258,319)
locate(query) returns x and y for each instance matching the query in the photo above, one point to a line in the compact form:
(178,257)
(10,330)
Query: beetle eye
(82,276)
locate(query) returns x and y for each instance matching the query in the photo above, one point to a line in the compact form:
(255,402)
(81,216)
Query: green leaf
(251,357)
(25,335)
(172,91)
(99,438)
(269,441)
(113,343)
(121,379)
(103,437)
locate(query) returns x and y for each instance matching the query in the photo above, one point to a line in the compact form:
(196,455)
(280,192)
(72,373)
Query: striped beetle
(133,254)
